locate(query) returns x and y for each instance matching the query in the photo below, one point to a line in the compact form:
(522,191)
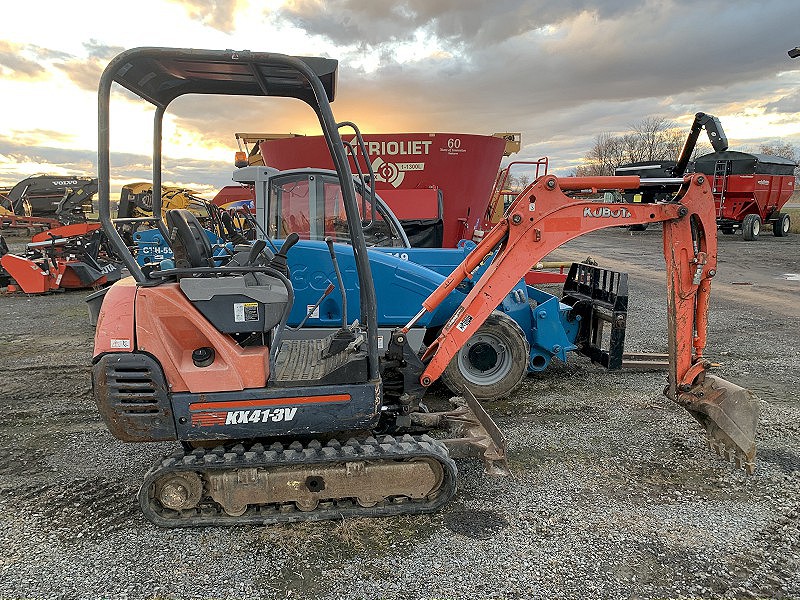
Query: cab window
(312,206)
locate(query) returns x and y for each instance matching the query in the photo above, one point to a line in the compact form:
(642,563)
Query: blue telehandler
(529,328)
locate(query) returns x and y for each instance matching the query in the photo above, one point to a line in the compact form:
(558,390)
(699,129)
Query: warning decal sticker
(464,323)
(245,311)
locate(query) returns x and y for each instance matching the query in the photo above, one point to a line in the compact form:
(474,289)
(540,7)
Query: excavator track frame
(253,467)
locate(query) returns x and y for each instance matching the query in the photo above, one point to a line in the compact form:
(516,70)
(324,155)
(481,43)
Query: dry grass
(794,214)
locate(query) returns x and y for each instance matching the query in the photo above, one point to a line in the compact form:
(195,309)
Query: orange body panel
(28,276)
(76,229)
(115,324)
(170,328)
(69,280)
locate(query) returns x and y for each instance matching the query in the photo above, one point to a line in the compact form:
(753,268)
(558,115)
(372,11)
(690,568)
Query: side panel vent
(132,396)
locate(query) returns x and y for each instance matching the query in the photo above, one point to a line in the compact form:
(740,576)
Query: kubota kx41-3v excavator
(278,430)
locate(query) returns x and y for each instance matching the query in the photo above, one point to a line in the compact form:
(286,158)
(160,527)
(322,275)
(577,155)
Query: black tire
(727,229)
(781,225)
(751,227)
(492,362)
(639,227)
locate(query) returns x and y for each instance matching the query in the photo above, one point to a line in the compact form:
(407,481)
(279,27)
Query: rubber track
(380,448)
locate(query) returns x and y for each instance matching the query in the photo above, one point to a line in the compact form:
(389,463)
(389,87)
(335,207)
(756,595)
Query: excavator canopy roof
(160,75)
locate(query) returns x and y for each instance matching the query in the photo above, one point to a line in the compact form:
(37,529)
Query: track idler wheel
(179,491)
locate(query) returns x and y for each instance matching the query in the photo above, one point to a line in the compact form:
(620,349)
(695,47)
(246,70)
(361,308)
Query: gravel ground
(613,494)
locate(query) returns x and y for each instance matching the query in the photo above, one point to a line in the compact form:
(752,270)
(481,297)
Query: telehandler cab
(277,430)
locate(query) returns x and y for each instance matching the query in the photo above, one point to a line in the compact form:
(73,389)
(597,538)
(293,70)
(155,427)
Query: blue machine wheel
(492,362)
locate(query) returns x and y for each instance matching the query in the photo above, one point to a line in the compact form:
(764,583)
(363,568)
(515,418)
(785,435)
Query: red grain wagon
(749,189)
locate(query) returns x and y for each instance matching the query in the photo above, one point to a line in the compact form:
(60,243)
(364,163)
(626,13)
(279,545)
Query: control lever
(329,241)
(310,312)
(344,337)
(278,261)
(255,251)
(230,229)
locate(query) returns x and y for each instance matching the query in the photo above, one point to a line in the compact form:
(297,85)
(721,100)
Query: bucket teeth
(731,454)
(729,414)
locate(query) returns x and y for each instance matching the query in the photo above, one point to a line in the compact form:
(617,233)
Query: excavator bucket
(729,414)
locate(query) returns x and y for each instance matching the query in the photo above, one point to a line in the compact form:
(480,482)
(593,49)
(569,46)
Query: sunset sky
(559,72)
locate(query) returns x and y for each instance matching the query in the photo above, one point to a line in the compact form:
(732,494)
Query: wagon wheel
(751,227)
(781,225)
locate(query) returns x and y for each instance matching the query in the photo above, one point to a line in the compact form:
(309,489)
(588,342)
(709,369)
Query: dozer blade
(729,414)
(473,433)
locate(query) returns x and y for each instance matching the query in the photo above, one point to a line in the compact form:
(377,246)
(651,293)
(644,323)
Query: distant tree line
(655,138)
(652,138)
(785,150)
(517,183)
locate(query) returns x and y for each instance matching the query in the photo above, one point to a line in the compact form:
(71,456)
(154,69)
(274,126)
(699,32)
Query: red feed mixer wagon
(437,184)
(749,190)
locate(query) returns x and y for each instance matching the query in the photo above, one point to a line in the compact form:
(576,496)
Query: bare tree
(673,141)
(785,150)
(606,153)
(520,182)
(653,138)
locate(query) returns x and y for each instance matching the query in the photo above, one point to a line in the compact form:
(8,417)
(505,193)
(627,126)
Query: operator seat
(190,246)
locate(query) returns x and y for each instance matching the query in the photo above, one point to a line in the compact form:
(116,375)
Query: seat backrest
(188,239)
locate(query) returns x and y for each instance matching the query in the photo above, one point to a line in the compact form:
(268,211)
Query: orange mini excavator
(277,430)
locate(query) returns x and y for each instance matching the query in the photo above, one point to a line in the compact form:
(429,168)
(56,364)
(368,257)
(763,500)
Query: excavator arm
(542,218)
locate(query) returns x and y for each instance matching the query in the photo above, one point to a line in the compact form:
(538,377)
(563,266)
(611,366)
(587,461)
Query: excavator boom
(543,218)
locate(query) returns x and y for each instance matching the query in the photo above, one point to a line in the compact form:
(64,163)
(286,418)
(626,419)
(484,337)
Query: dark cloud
(201,175)
(601,71)
(14,63)
(612,51)
(559,72)
(85,72)
(35,62)
(47,54)
(101,51)
(77,162)
(594,73)
(33,138)
(219,14)
(457,23)
(217,119)
(787,104)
